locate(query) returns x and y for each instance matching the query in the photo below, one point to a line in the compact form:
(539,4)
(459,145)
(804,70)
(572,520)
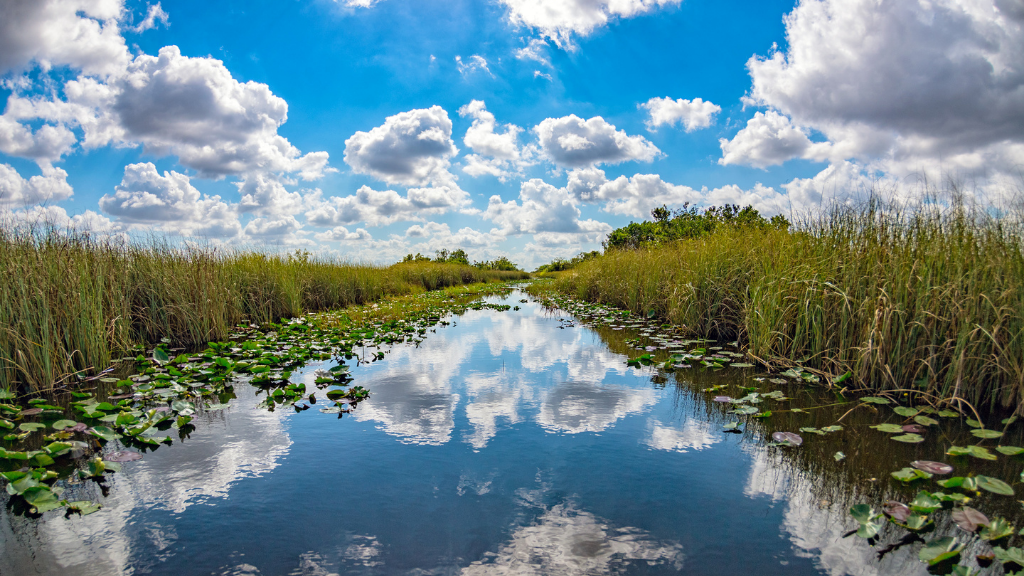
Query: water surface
(506,443)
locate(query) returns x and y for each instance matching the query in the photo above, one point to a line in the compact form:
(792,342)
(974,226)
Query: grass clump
(929,301)
(70,303)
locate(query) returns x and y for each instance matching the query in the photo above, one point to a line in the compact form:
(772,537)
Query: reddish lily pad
(897,510)
(31,411)
(788,438)
(969,519)
(722,399)
(932,467)
(912,428)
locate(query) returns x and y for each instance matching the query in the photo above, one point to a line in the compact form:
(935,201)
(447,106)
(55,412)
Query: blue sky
(367,129)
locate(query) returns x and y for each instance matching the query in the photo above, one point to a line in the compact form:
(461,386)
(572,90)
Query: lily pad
(940,550)
(909,438)
(865,516)
(1010,450)
(42,499)
(932,467)
(985,433)
(31,426)
(910,474)
(103,432)
(912,428)
(925,503)
(875,400)
(997,529)
(63,424)
(905,411)
(888,428)
(896,510)
(787,438)
(839,456)
(925,421)
(994,485)
(969,519)
(975,451)
(84,507)
(724,399)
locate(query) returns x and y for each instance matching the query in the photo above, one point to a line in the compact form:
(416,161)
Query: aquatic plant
(927,300)
(70,302)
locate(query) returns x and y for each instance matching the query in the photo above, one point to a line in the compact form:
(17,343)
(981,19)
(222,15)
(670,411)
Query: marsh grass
(928,300)
(69,303)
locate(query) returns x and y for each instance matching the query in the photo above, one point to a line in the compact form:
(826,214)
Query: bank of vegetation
(70,303)
(929,300)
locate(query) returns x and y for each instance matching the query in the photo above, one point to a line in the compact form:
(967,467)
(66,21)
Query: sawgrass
(69,303)
(927,300)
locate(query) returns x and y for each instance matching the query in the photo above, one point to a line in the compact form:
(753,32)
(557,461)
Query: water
(506,443)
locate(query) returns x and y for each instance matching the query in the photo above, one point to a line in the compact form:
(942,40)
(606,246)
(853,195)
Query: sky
(364,130)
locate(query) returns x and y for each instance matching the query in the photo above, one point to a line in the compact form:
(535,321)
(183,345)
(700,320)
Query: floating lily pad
(875,400)
(969,519)
(787,438)
(932,467)
(103,432)
(84,507)
(940,550)
(889,428)
(896,510)
(1010,450)
(910,474)
(905,411)
(925,503)
(839,456)
(994,485)
(866,517)
(974,423)
(42,499)
(997,529)
(984,433)
(833,428)
(63,424)
(912,428)
(722,399)
(31,426)
(975,451)
(925,421)
(909,438)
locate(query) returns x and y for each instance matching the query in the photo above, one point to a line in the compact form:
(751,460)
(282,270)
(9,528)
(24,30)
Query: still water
(507,443)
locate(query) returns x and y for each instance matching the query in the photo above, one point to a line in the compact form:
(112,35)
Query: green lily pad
(160,356)
(940,550)
(974,423)
(839,456)
(31,426)
(1010,450)
(925,503)
(994,485)
(103,432)
(874,400)
(974,451)
(889,428)
(909,438)
(948,414)
(84,507)
(905,411)
(42,499)
(925,421)
(1009,555)
(833,428)
(63,424)
(997,529)
(910,474)
(985,433)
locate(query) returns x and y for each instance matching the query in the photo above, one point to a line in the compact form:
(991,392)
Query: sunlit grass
(69,303)
(926,300)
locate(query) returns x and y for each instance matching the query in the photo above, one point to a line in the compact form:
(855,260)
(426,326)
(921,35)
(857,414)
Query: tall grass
(70,303)
(929,301)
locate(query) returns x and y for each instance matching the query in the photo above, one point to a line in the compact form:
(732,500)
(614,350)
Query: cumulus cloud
(154,14)
(573,142)
(58,217)
(342,234)
(45,145)
(770,138)
(410,149)
(541,208)
(169,202)
(694,114)
(83,34)
(380,207)
(907,85)
(281,230)
(495,152)
(475,63)
(191,108)
(15,191)
(266,195)
(635,196)
(560,20)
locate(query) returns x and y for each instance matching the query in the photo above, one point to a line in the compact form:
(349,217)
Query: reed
(927,300)
(69,303)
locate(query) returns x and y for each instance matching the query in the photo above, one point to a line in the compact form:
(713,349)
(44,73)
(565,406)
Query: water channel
(515,442)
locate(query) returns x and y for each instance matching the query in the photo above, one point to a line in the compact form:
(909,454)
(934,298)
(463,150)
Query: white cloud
(475,63)
(694,114)
(543,208)
(559,20)
(909,85)
(154,13)
(535,50)
(342,234)
(57,217)
(82,34)
(265,195)
(768,139)
(170,203)
(45,145)
(496,153)
(358,3)
(410,149)
(380,207)
(188,107)
(574,142)
(281,230)
(51,186)
(635,196)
